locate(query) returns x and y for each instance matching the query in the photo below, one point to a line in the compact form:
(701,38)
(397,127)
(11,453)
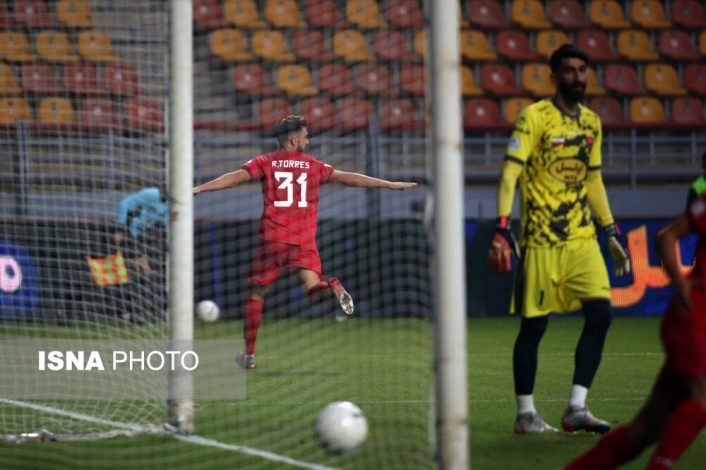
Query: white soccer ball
(208,311)
(340,427)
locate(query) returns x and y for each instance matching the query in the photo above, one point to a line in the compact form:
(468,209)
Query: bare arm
(667,250)
(363,181)
(229,180)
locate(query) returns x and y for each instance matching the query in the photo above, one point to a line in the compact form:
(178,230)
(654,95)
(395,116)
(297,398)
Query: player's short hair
(566,51)
(286,126)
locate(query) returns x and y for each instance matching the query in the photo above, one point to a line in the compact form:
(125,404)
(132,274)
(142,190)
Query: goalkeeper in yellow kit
(555,154)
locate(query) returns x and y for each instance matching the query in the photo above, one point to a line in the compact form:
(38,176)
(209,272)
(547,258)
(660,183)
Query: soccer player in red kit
(290,181)
(675,411)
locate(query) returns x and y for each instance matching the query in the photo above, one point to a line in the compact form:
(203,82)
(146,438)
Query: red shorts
(684,339)
(271,258)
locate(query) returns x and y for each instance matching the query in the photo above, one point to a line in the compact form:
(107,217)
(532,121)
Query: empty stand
(351,45)
(567,14)
(96,46)
(8,82)
(14,109)
(609,109)
(480,113)
(597,45)
(695,78)
(677,45)
(608,14)
(529,14)
(74,13)
(393,45)
(6,20)
(271,45)
(82,79)
(475,46)
(499,79)
(336,78)
(97,112)
(243,14)
(365,14)
(487,14)
(353,113)
(689,14)
(15,47)
(405,14)
(593,86)
(208,14)
(251,79)
(702,43)
(54,46)
(33,14)
(295,80)
(320,112)
(649,14)
(622,79)
(536,78)
(549,41)
(144,114)
(469,85)
(121,79)
(284,14)
(40,79)
(324,14)
(646,110)
(398,114)
(374,79)
(513,106)
(310,44)
(635,45)
(420,43)
(514,46)
(688,110)
(412,79)
(271,110)
(55,110)
(662,80)
(229,45)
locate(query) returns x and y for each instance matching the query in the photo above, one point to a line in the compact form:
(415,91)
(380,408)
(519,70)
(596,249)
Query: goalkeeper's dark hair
(288,125)
(566,51)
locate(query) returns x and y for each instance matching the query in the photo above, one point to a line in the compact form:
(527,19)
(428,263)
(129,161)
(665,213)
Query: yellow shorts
(557,279)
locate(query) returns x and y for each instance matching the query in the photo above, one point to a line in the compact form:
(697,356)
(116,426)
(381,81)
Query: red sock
(319,293)
(681,429)
(253,315)
(614,449)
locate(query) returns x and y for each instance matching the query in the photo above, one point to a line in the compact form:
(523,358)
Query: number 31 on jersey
(285,180)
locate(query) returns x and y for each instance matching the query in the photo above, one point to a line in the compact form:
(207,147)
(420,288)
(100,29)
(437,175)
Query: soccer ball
(340,427)
(208,311)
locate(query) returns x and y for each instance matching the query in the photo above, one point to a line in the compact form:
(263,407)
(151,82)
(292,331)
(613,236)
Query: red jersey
(290,189)
(697,217)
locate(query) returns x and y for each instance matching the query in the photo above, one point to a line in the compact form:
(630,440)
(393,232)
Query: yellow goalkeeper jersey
(557,151)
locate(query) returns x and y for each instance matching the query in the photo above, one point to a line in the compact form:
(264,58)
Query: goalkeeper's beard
(572,93)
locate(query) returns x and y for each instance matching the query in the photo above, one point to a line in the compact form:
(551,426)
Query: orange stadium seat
(702,43)
(646,109)
(351,45)
(98,112)
(310,44)
(513,106)
(567,14)
(243,14)
(251,79)
(271,110)
(662,79)
(536,78)
(6,20)
(405,14)
(229,45)
(688,110)
(144,114)
(82,79)
(689,14)
(549,41)
(420,43)
(208,14)
(622,79)
(56,110)
(608,14)
(336,79)
(121,79)
(514,46)
(398,114)
(40,79)
(295,80)
(597,45)
(499,79)
(469,85)
(365,14)
(374,79)
(15,47)
(271,45)
(480,112)
(487,14)
(695,78)
(33,14)
(95,46)
(529,14)
(54,46)
(608,109)
(475,46)
(649,14)
(593,87)
(353,113)
(284,14)
(14,109)
(8,82)
(677,45)
(319,112)
(74,13)
(324,14)
(635,45)
(393,46)
(412,79)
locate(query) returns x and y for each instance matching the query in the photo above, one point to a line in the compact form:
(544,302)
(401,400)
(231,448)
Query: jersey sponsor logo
(290,164)
(513,144)
(568,170)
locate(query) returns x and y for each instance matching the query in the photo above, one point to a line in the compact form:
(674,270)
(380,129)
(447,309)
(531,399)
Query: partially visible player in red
(290,188)
(675,411)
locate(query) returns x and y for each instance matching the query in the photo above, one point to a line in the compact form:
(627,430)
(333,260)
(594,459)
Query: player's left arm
(228,180)
(363,181)
(667,246)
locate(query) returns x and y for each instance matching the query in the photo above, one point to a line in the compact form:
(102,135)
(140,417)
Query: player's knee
(597,314)
(534,328)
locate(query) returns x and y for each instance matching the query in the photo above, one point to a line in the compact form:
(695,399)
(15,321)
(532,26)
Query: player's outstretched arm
(667,251)
(364,181)
(229,180)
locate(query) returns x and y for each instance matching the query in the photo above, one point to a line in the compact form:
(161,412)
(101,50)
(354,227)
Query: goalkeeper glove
(503,246)
(621,258)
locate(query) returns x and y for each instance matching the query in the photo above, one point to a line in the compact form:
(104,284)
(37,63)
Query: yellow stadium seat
(593,88)
(229,44)
(56,110)
(95,46)
(529,14)
(242,13)
(607,14)
(365,14)
(351,46)
(271,45)
(420,43)
(646,109)
(469,85)
(536,78)
(14,109)
(8,82)
(635,44)
(54,46)
(549,41)
(74,13)
(649,14)
(662,79)
(15,47)
(475,46)
(513,106)
(295,80)
(284,14)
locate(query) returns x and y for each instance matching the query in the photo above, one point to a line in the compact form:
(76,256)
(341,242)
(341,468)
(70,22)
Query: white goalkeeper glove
(621,258)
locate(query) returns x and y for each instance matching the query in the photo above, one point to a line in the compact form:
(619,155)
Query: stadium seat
(514,46)
(412,79)
(353,113)
(662,80)
(365,14)
(513,106)
(144,114)
(475,46)
(688,110)
(499,79)
(82,79)
(635,45)
(295,80)
(597,45)
(622,79)
(8,82)
(324,14)
(405,14)
(15,47)
(677,45)
(208,14)
(310,44)
(374,79)
(320,112)
(487,14)
(98,112)
(6,20)
(567,14)
(695,78)
(480,113)
(55,47)
(702,43)
(271,110)
(243,14)
(689,14)
(393,46)
(469,85)
(251,79)
(284,14)
(121,79)
(40,79)
(95,46)
(420,43)
(56,110)
(351,46)
(608,109)
(536,78)
(646,109)
(33,14)
(74,13)
(529,14)
(14,109)
(608,14)
(593,87)
(229,45)
(336,79)
(549,41)
(649,14)
(271,45)
(398,114)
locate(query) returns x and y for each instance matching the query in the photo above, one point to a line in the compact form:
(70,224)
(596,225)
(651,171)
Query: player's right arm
(363,181)
(228,180)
